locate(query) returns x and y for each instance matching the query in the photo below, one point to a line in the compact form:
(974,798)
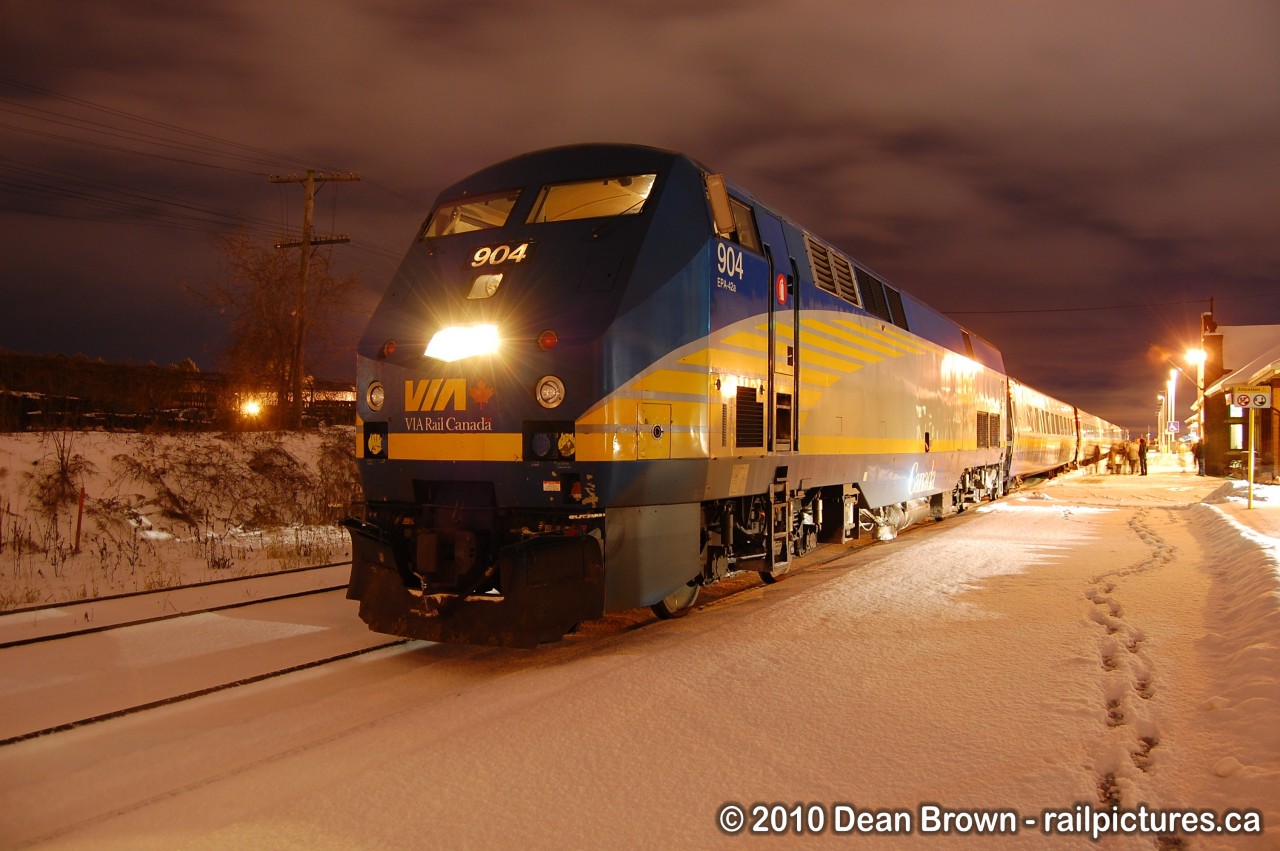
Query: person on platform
(1133,456)
(1116,460)
(1197,452)
(1142,455)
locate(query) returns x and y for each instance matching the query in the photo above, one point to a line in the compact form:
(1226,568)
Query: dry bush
(339,479)
(57,477)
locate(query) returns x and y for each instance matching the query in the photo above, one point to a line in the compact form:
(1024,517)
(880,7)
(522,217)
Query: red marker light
(547,340)
(388,349)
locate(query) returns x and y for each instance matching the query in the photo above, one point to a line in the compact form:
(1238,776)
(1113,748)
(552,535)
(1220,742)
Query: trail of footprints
(1129,683)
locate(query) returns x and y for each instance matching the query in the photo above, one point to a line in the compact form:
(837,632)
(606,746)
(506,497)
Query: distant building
(39,392)
(1236,355)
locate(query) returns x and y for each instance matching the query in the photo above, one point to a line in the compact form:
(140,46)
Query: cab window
(589,199)
(468,214)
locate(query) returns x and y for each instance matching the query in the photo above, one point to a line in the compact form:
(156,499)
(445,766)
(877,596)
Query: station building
(1237,355)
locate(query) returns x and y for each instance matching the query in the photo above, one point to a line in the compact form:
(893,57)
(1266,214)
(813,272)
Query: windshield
(468,214)
(587,199)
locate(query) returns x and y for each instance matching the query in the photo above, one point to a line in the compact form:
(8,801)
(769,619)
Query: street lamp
(1195,356)
(1198,357)
(1162,423)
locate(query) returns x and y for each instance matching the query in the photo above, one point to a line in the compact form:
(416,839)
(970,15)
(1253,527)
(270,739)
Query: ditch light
(463,341)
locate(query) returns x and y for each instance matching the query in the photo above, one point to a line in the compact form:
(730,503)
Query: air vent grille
(749,428)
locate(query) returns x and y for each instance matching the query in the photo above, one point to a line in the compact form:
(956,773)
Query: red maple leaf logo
(481,393)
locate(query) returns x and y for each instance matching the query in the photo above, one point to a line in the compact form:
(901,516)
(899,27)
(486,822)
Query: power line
(105,202)
(1105,307)
(273,155)
(98,127)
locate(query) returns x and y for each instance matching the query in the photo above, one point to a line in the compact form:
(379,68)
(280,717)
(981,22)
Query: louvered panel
(845,285)
(872,290)
(896,310)
(749,428)
(820,261)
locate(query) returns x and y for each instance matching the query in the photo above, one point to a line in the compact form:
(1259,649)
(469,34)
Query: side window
(745,225)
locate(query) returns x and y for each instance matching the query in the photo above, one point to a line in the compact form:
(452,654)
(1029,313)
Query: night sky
(1014,161)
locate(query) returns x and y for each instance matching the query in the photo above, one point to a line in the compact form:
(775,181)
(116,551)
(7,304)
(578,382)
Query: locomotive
(604,376)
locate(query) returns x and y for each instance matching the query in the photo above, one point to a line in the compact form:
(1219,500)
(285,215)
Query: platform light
(251,408)
(1196,356)
(463,341)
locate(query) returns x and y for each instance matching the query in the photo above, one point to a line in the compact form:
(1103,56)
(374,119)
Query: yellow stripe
(702,357)
(869,339)
(607,447)
(615,410)
(747,340)
(917,343)
(809,398)
(498,446)
(812,341)
(673,381)
(812,358)
(856,339)
(824,445)
(738,363)
(811,376)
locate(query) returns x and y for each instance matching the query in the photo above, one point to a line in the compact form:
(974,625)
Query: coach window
(745,225)
(467,214)
(590,199)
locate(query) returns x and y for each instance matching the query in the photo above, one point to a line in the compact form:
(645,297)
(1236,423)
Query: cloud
(997,153)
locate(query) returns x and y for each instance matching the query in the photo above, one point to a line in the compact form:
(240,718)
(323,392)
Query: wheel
(677,603)
(771,576)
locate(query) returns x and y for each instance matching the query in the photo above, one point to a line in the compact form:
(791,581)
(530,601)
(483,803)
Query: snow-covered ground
(1095,640)
(166,510)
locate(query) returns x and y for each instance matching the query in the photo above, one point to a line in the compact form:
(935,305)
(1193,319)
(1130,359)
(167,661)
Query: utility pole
(308,182)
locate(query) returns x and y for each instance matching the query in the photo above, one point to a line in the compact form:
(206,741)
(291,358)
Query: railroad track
(68,665)
(63,669)
(57,620)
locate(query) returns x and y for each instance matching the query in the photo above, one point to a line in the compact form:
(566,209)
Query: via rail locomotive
(604,377)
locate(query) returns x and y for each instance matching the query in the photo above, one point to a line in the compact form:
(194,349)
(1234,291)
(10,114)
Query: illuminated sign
(496,255)
(1249,396)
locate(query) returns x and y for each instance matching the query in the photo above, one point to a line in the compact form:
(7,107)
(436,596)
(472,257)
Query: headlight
(463,341)
(485,285)
(549,391)
(375,396)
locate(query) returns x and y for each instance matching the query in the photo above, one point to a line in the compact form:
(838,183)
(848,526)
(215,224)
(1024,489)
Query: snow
(166,510)
(50,684)
(33,623)
(1097,639)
